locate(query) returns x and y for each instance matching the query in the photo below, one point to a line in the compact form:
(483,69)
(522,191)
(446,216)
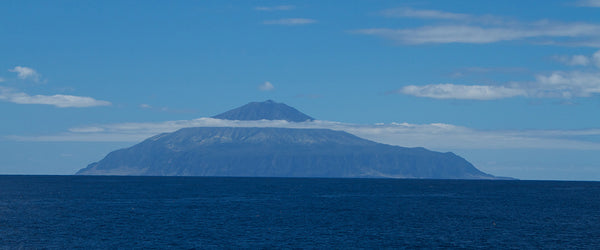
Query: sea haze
(207,212)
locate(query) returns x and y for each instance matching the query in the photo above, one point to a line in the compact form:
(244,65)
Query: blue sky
(512,86)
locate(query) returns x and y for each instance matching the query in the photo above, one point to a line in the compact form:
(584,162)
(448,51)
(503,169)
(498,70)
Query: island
(278,152)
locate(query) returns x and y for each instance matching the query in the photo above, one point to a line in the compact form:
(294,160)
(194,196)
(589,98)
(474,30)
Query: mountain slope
(278,152)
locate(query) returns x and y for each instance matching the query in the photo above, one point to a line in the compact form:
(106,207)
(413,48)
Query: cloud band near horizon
(433,136)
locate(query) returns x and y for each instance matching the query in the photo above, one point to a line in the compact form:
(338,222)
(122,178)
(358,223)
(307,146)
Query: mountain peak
(267,110)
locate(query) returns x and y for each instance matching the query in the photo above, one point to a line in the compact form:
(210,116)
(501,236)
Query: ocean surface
(208,212)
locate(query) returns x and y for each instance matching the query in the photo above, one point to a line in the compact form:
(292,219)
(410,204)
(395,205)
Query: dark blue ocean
(201,212)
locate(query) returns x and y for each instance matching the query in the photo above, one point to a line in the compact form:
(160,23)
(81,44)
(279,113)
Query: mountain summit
(267,110)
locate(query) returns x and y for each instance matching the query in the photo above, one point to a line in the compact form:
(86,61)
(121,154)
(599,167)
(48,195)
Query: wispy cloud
(2,79)
(464,28)
(275,8)
(580,60)
(567,84)
(266,86)
(290,21)
(61,101)
(488,70)
(26,73)
(576,60)
(596,58)
(452,91)
(482,35)
(86,130)
(433,136)
(588,3)
(166,109)
(557,84)
(424,14)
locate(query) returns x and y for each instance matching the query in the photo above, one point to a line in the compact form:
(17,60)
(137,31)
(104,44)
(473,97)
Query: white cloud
(2,79)
(425,14)
(61,101)
(443,15)
(290,21)
(266,86)
(557,84)
(86,130)
(145,106)
(463,28)
(566,84)
(580,60)
(596,58)
(576,60)
(488,70)
(554,85)
(26,73)
(469,92)
(432,136)
(481,35)
(589,3)
(275,8)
